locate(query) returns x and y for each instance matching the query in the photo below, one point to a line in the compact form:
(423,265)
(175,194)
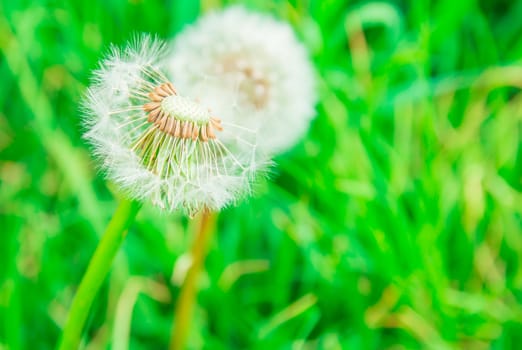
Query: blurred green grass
(395,224)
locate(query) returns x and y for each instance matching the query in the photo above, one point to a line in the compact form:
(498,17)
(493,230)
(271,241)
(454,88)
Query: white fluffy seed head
(252,68)
(162,145)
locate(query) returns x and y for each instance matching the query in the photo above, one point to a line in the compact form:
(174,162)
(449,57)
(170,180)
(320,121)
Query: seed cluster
(178,116)
(254,85)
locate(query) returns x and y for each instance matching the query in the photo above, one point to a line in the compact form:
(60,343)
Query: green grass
(396,223)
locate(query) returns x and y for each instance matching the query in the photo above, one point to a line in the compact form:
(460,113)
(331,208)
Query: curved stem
(187,296)
(97,270)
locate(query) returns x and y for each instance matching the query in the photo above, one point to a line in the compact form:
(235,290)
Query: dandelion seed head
(255,68)
(164,145)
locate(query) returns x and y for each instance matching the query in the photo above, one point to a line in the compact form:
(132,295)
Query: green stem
(97,270)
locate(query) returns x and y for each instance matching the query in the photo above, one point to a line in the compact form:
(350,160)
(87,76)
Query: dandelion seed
(253,69)
(159,143)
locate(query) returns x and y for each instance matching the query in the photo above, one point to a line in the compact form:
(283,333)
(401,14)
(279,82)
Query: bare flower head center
(178,116)
(185,109)
(180,134)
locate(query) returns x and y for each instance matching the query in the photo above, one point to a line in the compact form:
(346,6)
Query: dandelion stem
(97,270)
(187,296)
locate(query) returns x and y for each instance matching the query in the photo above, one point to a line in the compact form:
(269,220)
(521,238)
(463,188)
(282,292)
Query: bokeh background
(394,224)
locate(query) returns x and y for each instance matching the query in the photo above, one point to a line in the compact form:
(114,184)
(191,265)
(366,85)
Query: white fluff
(251,68)
(185,174)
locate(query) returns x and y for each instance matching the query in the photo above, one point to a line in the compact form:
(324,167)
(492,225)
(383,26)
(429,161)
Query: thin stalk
(97,270)
(187,296)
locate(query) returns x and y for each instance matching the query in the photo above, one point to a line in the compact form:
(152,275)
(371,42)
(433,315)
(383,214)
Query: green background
(394,224)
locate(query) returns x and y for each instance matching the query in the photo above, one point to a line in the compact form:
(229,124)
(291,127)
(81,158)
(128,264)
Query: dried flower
(160,143)
(252,68)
